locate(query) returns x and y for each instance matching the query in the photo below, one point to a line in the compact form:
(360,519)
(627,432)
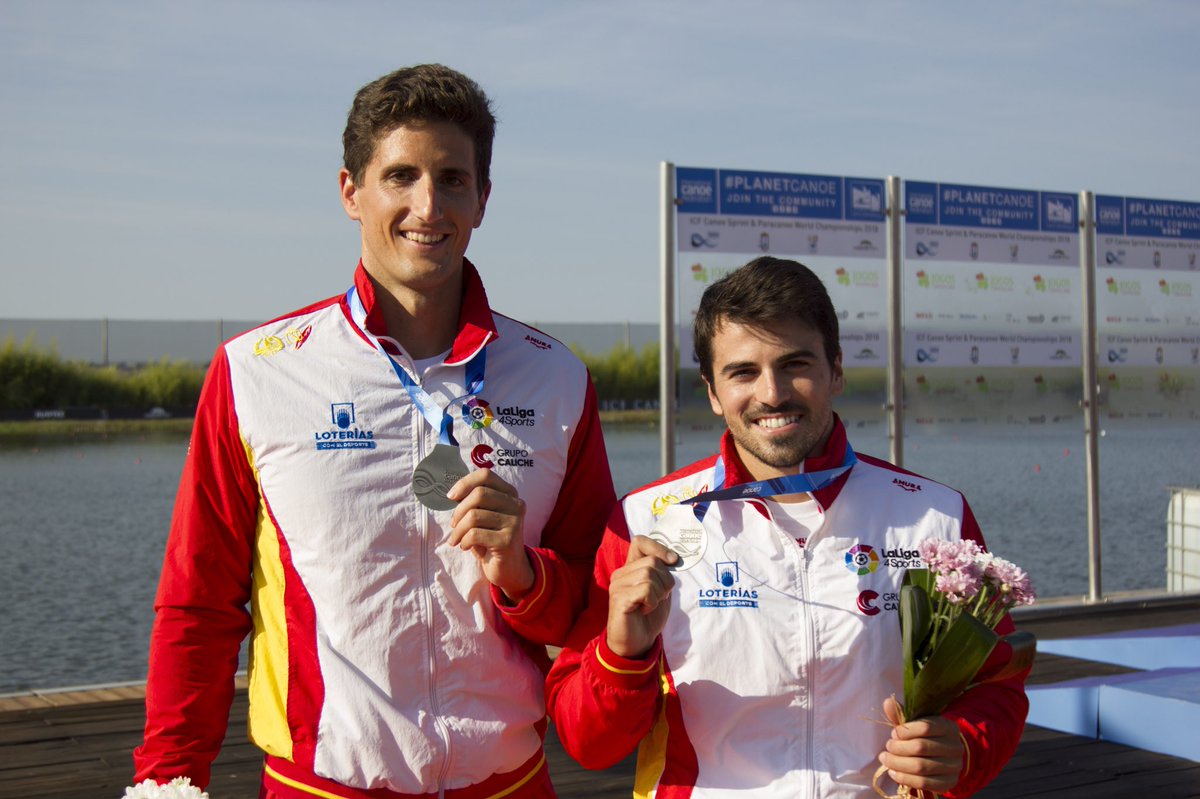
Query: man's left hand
(489,521)
(925,753)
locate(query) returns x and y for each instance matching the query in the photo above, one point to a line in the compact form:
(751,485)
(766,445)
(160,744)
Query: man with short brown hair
(399,600)
(735,631)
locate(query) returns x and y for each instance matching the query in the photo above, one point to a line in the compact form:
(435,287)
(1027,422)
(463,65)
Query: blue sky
(178,160)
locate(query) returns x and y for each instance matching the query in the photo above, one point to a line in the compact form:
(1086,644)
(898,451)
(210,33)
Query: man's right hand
(639,597)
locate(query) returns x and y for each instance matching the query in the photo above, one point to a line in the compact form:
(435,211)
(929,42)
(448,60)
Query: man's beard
(785,453)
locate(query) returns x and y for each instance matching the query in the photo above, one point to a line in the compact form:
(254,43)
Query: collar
(736,472)
(476,328)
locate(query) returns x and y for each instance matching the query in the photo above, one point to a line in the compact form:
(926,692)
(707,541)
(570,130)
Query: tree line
(33,378)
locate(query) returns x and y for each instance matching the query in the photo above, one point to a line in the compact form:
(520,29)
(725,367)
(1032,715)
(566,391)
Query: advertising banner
(991,304)
(994,273)
(1147,285)
(833,225)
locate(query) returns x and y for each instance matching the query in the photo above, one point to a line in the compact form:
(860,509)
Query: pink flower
(1012,581)
(959,554)
(929,552)
(945,556)
(959,585)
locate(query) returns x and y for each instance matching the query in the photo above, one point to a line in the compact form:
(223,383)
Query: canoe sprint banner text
(742,211)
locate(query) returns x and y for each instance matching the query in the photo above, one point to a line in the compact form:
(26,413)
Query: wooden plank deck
(77,744)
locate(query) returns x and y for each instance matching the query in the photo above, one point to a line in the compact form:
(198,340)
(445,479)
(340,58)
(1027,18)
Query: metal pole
(104,341)
(1091,393)
(895,381)
(666,353)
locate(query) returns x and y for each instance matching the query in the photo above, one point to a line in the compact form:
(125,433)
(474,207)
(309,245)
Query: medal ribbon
(437,417)
(803,483)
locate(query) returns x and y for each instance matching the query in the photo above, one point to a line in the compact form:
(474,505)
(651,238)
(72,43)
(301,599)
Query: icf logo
(862,559)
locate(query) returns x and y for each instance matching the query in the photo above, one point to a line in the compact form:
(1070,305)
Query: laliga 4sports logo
(862,559)
(477,413)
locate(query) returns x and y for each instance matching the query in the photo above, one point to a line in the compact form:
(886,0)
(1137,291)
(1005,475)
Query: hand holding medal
(489,521)
(639,597)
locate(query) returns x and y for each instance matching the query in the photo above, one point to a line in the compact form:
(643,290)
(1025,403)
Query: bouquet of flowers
(948,615)
(178,788)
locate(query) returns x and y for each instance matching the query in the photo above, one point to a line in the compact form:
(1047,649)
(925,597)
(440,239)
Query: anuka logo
(906,485)
(537,342)
(729,594)
(346,433)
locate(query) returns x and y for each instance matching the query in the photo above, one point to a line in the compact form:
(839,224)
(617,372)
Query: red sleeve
(563,562)
(602,705)
(990,716)
(201,615)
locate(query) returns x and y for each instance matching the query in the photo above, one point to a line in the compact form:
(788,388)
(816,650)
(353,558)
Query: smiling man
(398,602)
(734,627)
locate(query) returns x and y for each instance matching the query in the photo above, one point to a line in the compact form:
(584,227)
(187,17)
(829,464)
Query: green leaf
(916,619)
(1024,649)
(923,578)
(960,653)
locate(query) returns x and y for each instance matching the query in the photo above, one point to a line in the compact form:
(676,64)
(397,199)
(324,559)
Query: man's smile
(776,422)
(423,238)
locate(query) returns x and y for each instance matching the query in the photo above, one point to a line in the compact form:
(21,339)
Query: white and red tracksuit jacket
(770,676)
(380,657)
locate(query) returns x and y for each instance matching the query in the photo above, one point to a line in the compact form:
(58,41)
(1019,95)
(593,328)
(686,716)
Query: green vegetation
(88,429)
(31,379)
(624,374)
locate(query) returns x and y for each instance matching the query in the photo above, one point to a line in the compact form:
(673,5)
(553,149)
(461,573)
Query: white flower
(178,788)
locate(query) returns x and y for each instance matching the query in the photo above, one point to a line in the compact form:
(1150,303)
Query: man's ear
(483,198)
(713,402)
(348,191)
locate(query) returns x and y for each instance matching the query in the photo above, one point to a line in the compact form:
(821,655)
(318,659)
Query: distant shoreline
(100,428)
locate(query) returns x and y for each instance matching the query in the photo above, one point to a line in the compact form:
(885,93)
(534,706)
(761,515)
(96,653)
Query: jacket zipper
(810,656)
(431,642)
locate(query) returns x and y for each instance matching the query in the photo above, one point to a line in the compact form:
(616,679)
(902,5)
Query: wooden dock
(77,744)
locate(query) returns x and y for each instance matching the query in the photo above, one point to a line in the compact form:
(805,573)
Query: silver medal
(436,474)
(679,530)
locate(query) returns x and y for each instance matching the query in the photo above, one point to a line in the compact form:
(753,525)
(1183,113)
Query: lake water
(83,524)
